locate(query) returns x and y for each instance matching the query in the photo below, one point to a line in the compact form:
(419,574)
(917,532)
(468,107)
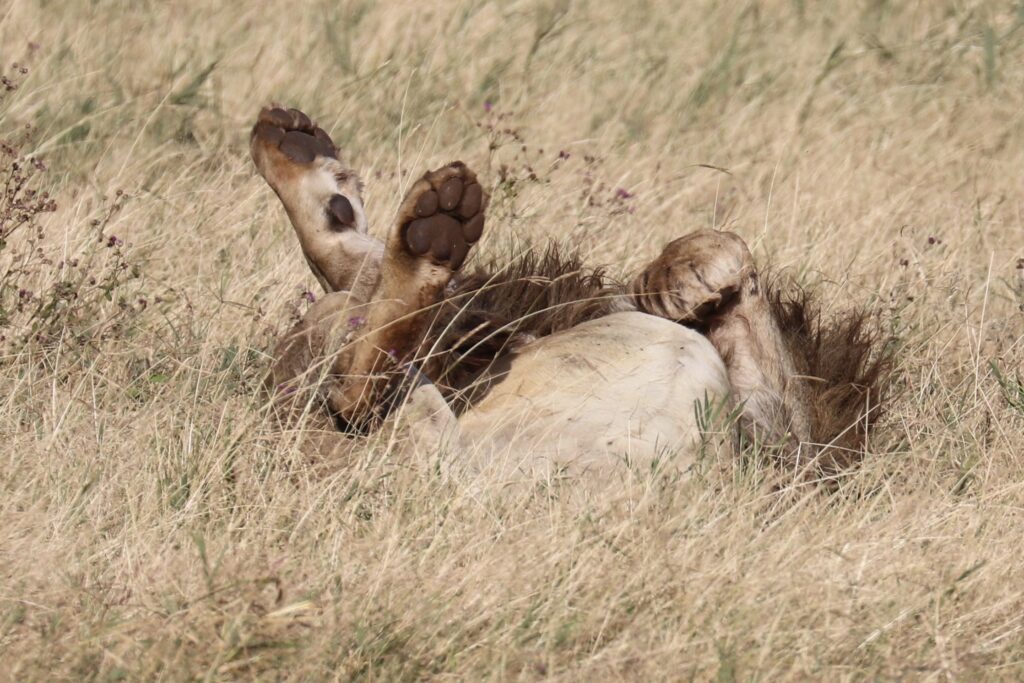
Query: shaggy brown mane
(505,304)
(848,363)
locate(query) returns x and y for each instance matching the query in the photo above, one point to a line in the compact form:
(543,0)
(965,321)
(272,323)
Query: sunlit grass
(155,525)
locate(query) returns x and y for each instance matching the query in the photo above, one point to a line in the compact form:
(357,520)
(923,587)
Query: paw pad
(448,216)
(295,134)
(340,214)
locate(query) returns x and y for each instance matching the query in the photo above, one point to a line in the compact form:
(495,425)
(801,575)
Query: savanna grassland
(156,524)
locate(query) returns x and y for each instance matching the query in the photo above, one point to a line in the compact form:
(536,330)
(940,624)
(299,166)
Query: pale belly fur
(625,386)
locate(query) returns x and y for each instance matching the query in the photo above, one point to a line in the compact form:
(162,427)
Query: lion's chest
(626,385)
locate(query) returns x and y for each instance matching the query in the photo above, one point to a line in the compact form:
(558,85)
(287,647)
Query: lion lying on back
(541,361)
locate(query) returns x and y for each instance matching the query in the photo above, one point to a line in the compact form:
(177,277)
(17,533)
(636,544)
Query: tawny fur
(812,385)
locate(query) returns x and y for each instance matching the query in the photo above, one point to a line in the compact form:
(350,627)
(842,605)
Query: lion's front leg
(322,197)
(303,359)
(439,220)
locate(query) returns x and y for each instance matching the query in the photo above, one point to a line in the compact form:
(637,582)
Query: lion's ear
(343,216)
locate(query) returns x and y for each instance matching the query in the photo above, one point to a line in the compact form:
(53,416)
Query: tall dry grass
(153,523)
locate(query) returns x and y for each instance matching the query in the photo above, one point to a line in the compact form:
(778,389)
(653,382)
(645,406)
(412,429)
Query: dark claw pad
(295,134)
(340,214)
(426,205)
(469,205)
(448,220)
(450,194)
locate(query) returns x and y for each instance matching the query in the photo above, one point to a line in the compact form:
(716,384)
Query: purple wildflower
(623,194)
(488,106)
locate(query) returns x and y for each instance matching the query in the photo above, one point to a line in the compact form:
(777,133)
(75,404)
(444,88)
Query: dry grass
(153,525)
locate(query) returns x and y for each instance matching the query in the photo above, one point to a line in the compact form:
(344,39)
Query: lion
(541,361)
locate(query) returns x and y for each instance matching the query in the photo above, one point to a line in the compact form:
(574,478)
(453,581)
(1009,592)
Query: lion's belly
(626,385)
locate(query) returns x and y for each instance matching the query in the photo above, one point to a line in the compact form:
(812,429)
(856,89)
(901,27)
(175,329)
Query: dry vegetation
(154,523)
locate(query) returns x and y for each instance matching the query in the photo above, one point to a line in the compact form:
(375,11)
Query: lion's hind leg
(806,381)
(695,277)
(707,280)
